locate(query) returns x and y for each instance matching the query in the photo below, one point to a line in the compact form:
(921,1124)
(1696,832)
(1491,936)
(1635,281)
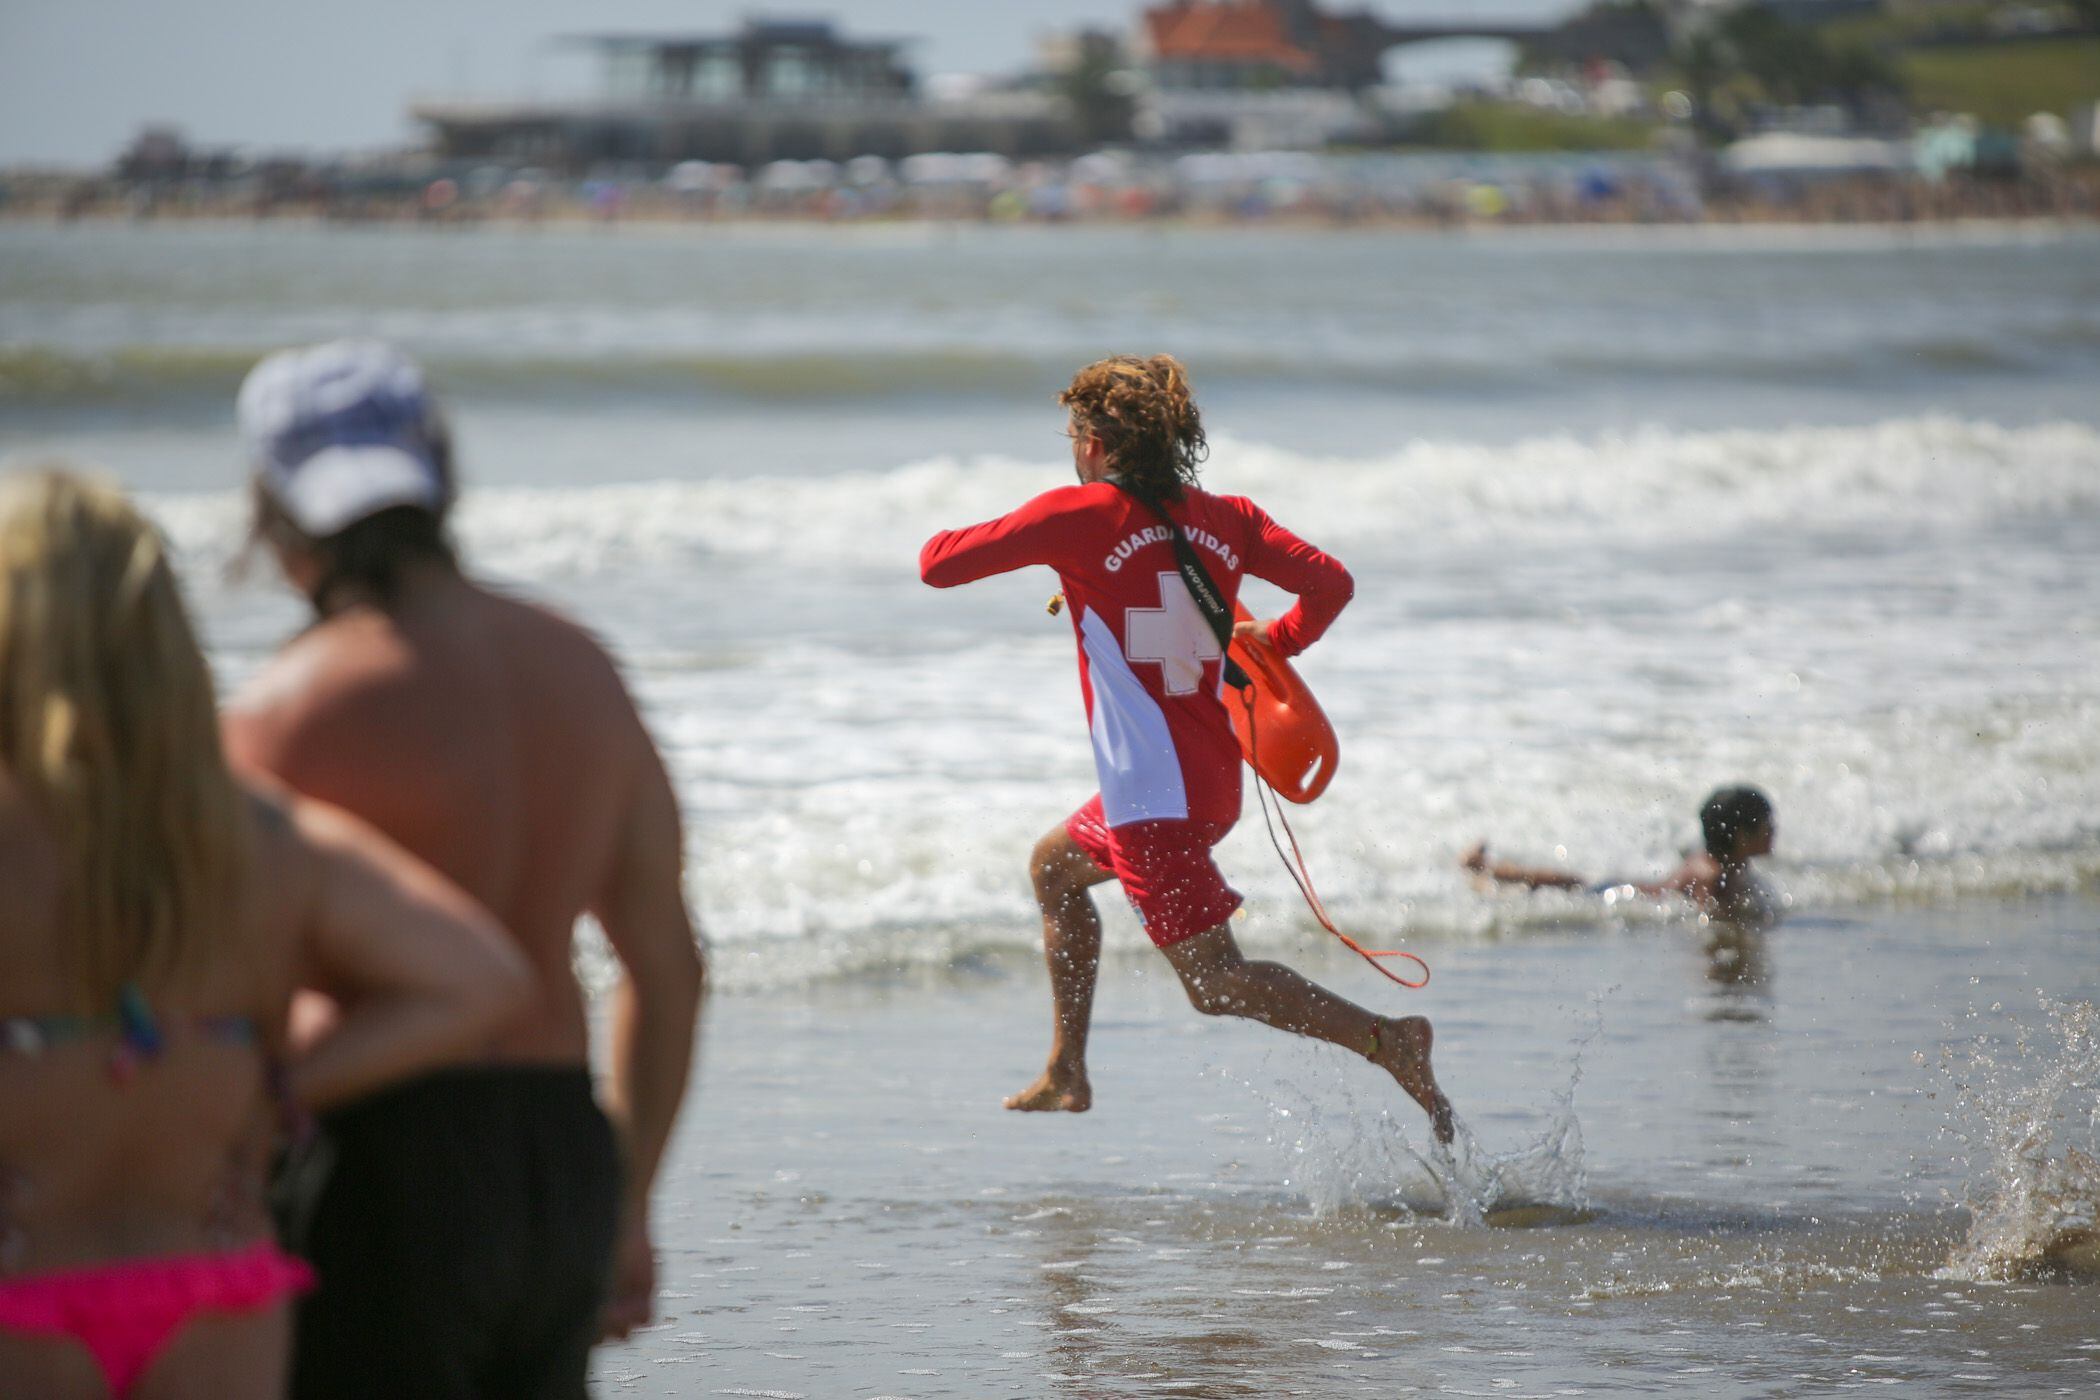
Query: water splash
(2034,1197)
(1544,1182)
(1344,1158)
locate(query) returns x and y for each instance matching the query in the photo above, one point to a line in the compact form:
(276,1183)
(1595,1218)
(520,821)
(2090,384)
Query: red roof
(1224,31)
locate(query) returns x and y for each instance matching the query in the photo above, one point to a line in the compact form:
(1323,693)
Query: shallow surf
(1761,1203)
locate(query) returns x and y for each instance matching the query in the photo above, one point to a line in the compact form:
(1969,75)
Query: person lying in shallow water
(1737,826)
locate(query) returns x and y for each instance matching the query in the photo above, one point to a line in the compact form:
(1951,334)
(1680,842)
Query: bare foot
(1057,1091)
(1475,859)
(1403,1052)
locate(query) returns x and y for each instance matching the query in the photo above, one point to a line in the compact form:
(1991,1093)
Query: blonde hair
(1144,414)
(109,727)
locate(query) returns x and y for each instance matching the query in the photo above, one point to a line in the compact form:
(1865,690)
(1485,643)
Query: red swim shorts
(1165,869)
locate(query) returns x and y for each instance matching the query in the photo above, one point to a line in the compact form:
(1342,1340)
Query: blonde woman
(157,920)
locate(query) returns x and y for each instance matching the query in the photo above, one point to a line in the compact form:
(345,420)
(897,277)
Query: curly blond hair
(1144,414)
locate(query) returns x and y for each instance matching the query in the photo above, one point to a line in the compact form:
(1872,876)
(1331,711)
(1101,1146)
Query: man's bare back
(496,741)
(489,737)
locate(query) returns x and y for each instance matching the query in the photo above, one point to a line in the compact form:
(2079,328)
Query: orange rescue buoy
(1286,738)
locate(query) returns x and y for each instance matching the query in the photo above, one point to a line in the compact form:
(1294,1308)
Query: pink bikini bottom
(126,1313)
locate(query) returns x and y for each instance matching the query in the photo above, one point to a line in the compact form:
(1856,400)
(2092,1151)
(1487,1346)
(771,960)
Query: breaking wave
(1645,487)
(1560,645)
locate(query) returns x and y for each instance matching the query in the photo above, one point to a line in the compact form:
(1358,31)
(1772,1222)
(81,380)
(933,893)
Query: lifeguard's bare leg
(1221,982)
(1062,875)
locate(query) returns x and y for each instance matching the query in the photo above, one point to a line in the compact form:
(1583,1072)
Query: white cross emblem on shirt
(1175,634)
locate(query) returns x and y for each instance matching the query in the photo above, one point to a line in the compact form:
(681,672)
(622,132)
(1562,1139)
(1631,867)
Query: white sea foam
(1560,646)
(1655,486)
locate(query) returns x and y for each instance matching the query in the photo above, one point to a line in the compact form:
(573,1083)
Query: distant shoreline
(1743,232)
(1719,221)
(1435,192)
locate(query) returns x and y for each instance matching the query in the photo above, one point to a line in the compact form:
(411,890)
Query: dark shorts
(463,1239)
(1165,868)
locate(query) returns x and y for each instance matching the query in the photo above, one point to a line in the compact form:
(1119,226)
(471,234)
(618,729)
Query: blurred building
(768,60)
(157,152)
(1262,45)
(1635,38)
(1276,74)
(773,90)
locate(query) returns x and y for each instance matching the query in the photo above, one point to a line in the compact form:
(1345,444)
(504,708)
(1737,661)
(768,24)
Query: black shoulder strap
(1209,601)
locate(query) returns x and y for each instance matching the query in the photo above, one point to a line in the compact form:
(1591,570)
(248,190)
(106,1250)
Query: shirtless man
(474,1218)
(1164,750)
(1737,826)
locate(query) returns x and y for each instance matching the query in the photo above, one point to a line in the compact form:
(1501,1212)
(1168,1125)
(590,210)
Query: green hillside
(2004,83)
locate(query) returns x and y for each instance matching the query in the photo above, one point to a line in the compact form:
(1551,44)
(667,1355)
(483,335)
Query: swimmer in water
(1168,763)
(1737,826)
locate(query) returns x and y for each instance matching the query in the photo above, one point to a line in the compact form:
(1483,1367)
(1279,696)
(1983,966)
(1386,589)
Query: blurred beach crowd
(1429,188)
(1621,111)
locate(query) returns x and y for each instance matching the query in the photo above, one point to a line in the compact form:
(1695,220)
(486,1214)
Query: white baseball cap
(342,431)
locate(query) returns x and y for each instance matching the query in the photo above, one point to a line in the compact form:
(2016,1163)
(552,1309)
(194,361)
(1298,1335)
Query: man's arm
(422,975)
(256,728)
(656,1011)
(1041,532)
(1323,586)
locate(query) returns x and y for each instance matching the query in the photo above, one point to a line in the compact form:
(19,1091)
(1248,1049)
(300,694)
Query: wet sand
(1756,1189)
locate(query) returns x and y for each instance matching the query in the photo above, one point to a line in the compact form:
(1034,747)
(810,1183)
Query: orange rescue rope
(1294,865)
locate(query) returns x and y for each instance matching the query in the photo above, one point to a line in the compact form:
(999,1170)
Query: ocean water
(1689,1183)
(1632,514)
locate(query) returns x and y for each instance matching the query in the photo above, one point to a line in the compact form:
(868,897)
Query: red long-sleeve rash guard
(1149,666)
